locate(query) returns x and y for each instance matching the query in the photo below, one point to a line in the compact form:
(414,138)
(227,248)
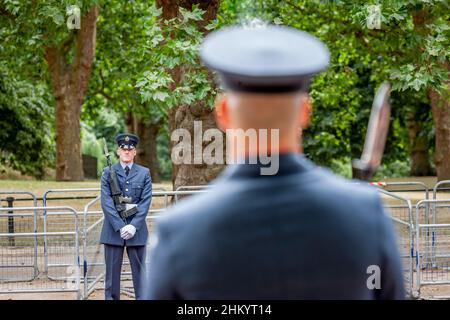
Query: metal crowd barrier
(93,255)
(431,237)
(421,186)
(433,253)
(434,209)
(401,214)
(89,277)
(432,218)
(435,206)
(52,269)
(14,226)
(197,187)
(438,185)
(62,245)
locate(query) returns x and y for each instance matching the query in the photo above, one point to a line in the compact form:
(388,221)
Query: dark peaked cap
(264,59)
(126,140)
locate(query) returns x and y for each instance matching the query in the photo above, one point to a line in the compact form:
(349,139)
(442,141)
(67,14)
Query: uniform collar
(121,170)
(289,163)
(123,165)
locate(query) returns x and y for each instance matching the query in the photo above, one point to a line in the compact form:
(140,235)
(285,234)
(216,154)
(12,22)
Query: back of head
(265,73)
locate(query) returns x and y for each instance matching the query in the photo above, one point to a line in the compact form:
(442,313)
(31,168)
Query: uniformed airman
(131,232)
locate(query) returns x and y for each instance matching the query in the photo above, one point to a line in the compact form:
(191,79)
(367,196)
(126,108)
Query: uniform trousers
(113,261)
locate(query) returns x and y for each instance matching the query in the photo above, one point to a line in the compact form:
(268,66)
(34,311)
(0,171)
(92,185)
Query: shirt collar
(130,165)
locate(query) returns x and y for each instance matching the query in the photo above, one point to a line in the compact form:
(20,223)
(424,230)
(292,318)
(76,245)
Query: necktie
(127,170)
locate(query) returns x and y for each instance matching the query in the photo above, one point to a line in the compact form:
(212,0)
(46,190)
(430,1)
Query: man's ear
(305,111)
(117,152)
(222,114)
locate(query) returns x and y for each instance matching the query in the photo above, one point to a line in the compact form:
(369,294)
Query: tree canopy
(146,72)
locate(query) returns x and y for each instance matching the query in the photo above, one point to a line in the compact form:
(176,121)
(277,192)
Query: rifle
(376,135)
(123,205)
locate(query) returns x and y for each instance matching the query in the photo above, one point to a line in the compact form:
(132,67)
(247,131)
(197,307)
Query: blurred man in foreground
(300,233)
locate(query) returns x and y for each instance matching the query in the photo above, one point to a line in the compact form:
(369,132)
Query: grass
(40,187)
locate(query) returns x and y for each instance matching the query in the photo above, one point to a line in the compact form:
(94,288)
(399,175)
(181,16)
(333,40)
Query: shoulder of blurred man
(235,212)
(187,218)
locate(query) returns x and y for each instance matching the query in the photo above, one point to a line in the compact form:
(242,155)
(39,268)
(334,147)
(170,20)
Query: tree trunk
(440,106)
(441,116)
(69,83)
(418,146)
(147,149)
(183,117)
(69,165)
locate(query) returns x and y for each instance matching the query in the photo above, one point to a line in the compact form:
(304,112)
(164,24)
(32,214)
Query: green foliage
(26,129)
(250,11)
(342,96)
(33,25)
(393,169)
(139,57)
(163,150)
(342,167)
(414,40)
(26,142)
(118,62)
(107,124)
(173,44)
(92,146)
(409,54)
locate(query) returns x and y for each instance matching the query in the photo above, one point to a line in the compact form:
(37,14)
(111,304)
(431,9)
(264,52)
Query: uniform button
(128,182)
(126,189)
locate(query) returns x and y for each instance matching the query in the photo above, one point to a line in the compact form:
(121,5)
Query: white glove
(127,232)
